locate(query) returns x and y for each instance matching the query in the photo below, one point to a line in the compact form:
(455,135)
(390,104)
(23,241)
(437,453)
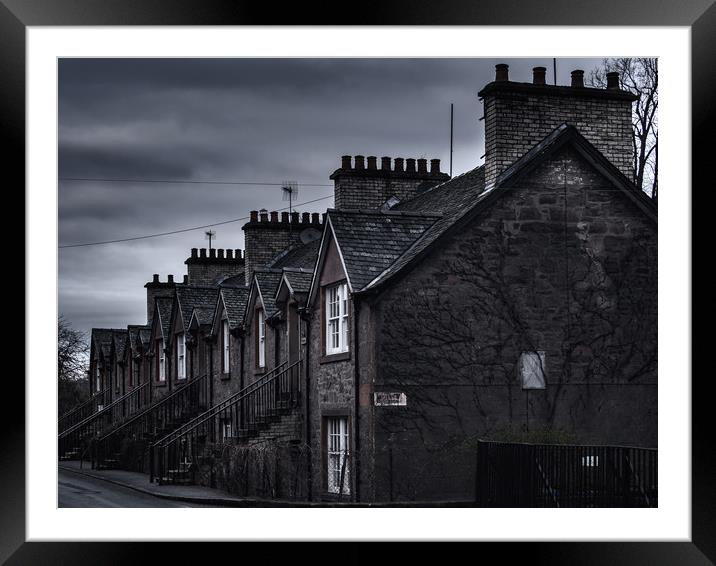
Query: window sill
(224,376)
(160,384)
(327,359)
(260,371)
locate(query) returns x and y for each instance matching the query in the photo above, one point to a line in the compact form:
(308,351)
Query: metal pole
(451,135)
(554,69)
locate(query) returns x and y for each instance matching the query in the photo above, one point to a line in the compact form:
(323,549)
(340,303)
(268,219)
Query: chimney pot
(155,278)
(212,253)
(501,72)
(237,254)
(294,217)
(194,252)
(346,162)
(202,252)
(254,216)
(435,166)
(385,163)
(220,253)
(229,254)
(170,278)
(284,217)
(613,80)
(305,218)
(410,165)
(324,216)
(422,165)
(359,162)
(578,78)
(186,280)
(539,75)
(315,219)
(263,215)
(274,216)
(372,162)
(399,164)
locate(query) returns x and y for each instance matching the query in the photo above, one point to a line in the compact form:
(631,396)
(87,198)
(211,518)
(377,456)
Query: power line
(185,182)
(180,230)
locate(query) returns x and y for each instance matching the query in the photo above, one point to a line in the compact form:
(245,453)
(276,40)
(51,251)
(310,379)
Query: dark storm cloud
(261,120)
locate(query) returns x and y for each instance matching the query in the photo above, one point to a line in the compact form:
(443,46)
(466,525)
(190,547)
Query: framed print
(309,373)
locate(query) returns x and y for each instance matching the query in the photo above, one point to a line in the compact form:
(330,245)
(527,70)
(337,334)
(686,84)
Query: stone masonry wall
(565,268)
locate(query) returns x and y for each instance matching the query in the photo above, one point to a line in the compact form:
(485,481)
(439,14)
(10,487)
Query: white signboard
(389,399)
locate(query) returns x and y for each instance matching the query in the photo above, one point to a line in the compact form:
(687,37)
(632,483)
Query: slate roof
(233,281)
(268,280)
(452,200)
(235,299)
(164,306)
(300,281)
(102,339)
(303,256)
(467,194)
(190,297)
(134,331)
(145,334)
(120,339)
(371,240)
(205,315)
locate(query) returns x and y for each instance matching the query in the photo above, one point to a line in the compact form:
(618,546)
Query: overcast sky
(250,120)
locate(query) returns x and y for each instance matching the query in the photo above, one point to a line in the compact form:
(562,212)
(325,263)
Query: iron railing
(73,442)
(82,411)
(175,457)
(125,445)
(543,475)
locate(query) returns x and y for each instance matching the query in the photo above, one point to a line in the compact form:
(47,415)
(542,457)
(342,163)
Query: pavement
(80,490)
(208,497)
(138,482)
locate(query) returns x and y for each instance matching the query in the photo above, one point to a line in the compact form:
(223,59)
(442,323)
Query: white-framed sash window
(338,464)
(336,318)
(161,362)
(181,356)
(225,360)
(261,337)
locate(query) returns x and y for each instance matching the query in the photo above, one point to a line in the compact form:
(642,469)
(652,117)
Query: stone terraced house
(359,354)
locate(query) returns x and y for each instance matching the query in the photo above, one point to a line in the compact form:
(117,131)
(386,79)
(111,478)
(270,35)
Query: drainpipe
(307,321)
(356,379)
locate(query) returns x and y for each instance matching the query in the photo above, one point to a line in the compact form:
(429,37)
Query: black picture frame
(699,15)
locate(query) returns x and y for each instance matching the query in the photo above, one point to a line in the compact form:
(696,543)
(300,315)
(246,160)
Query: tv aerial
(289,190)
(210,235)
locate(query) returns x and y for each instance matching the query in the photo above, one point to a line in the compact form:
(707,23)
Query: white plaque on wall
(389,399)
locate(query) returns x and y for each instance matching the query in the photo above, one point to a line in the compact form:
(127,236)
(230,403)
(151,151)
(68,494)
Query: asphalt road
(82,491)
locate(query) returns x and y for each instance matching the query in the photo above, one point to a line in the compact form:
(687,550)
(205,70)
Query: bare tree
(72,352)
(640,76)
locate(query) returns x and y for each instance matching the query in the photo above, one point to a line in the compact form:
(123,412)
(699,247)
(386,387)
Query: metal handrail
(159,402)
(101,412)
(82,405)
(225,404)
(255,402)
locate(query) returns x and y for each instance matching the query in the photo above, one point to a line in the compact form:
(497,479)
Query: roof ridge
(379,212)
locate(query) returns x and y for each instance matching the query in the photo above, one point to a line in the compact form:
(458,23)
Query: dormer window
(336,317)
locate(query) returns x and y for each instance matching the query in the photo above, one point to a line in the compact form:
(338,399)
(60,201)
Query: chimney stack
(368,187)
(519,115)
(207,270)
(578,78)
(613,80)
